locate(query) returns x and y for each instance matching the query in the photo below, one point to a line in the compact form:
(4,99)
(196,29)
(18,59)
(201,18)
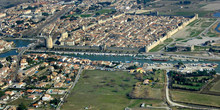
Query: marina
(140,58)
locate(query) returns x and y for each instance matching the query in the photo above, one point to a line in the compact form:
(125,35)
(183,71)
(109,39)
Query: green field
(169,40)
(216,87)
(157,48)
(195,33)
(102,90)
(206,24)
(195,98)
(191,13)
(201,48)
(194,22)
(103,11)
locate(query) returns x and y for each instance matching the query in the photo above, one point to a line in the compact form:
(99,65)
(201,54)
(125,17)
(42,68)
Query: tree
(78,11)
(9,59)
(54,101)
(2,93)
(20,22)
(21,106)
(45,14)
(1,65)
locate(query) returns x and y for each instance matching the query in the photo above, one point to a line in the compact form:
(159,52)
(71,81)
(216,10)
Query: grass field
(194,22)
(216,87)
(26,102)
(104,90)
(195,33)
(206,24)
(169,40)
(101,90)
(195,98)
(103,11)
(157,48)
(191,13)
(201,48)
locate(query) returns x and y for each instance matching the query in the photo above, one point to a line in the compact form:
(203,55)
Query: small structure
(146,81)
(47,97)
(142,105)
(180,47)
(49,42)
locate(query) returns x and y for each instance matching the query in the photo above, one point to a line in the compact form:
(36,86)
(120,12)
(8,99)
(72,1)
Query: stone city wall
(169,34)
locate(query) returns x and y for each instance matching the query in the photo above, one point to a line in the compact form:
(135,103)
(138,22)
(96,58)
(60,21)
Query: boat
(158,60)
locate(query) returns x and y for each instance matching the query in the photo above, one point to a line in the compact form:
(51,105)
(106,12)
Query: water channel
(22,43)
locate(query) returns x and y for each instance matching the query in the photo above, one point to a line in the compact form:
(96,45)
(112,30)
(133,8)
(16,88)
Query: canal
(24,43)
(18,43)
(218,28)
(216,14)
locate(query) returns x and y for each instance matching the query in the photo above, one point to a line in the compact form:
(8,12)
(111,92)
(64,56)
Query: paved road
(149,53)
(73,85)
(171,103)
(22,51)
(51,19)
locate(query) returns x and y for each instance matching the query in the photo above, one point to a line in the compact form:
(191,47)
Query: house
(42,84)
(12,108)
(11,93)
(5,97)
(38,91)
(19,85)
(35,105)
(32,97)
(47,97)
(142,105)
(146,81)
(30,91)
(55,91)
(58,85)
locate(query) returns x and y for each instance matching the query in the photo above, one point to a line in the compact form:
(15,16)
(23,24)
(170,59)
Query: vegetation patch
(157,48)
(190,81)
(195,98)
(216,87)
(101,90)
(206,24)
(179,39)
(105,11)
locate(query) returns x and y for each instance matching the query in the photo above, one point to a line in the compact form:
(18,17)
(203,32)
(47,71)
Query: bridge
(19,56)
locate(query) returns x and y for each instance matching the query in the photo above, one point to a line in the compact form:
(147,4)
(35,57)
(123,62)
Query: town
(44,80)
(109,54)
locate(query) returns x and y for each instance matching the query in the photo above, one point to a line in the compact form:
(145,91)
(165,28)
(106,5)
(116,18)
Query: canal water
(131,59)
(18,43)
(218,28)
(216,14)
(24,43)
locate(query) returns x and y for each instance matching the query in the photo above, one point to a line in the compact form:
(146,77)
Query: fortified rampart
(102,21)
(169,34)
(121,49)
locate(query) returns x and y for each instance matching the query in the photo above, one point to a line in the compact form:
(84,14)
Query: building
(180,47)
(49,42)
(46,97)
(2,15)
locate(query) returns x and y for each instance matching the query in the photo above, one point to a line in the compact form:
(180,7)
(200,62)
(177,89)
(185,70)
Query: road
(35,31)
(149,53)
(171,103)
(21,52)
(73,85)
